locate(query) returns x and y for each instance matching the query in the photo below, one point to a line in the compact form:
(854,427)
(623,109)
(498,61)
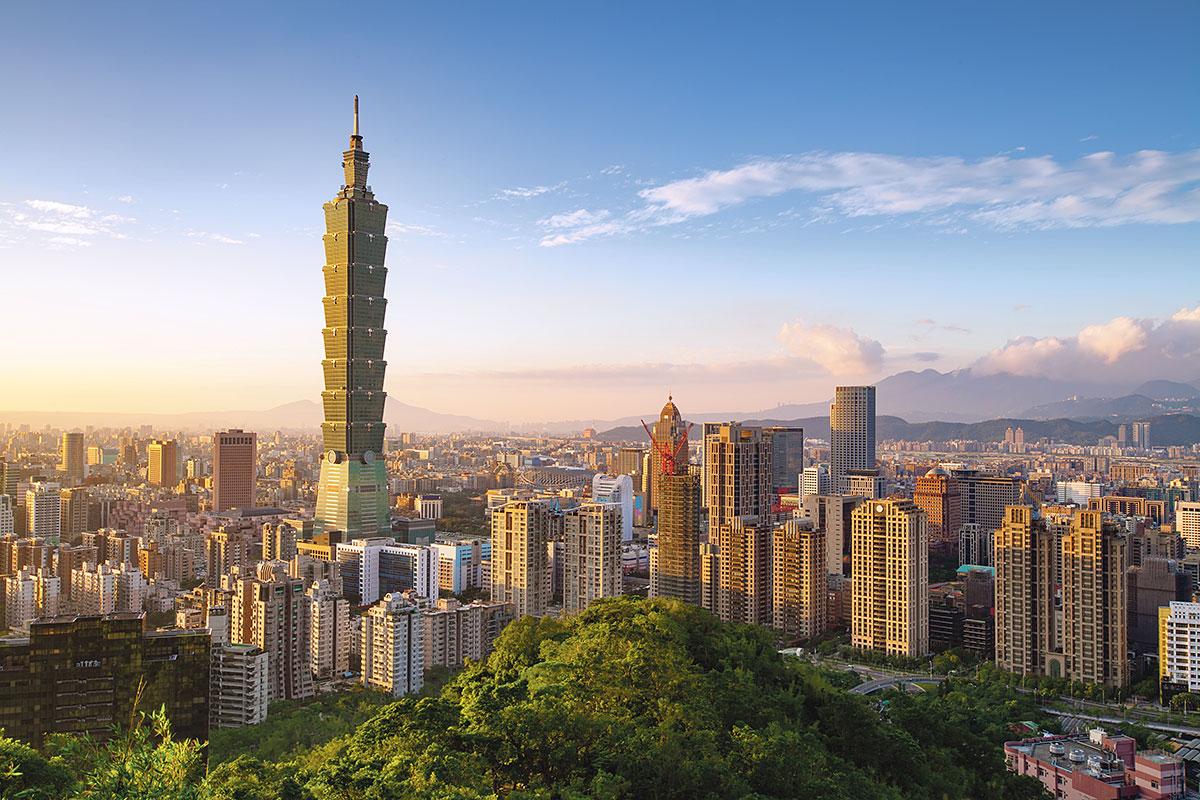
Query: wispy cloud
(1006,192)
(70,225)
(526,192)
(208,236)
(411,229)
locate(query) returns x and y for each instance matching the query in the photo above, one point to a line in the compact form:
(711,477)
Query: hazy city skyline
(815,227)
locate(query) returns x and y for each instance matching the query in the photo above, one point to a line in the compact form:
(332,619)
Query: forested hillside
(631,699)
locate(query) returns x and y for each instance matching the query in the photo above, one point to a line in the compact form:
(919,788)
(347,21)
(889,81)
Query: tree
(26,774)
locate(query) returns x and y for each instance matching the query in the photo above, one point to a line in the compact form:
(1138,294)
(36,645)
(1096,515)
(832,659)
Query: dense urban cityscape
(893,592)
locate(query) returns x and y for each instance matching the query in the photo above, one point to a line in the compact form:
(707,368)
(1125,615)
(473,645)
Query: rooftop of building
(1073,754)
(241,513)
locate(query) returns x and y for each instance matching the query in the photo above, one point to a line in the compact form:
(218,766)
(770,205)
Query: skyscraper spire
(355,137)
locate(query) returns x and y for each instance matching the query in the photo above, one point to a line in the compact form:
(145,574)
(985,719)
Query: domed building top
(936,472)
(669,411)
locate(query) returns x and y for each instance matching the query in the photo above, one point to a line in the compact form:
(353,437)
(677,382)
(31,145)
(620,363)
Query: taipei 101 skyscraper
(353,493)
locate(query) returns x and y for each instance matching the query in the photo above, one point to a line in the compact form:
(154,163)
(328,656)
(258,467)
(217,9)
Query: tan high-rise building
(73,512)
(1025,559)
(890,578)
(937,495)
(677,563)
(43,510)
(799,588)
(1087,640)
(520,564)
(743,571)
(737,474)
(162,456)
(235,460)
(1095,559)
(592,564)
(271,610)
(330,639)
(851,434)
(73,458)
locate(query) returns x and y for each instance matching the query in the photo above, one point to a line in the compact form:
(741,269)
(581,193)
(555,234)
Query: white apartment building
(393,656)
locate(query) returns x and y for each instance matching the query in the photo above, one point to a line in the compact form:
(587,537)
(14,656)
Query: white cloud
(1005,192)
(409,229)
(574,219)
(1122,349)
(206,236)
(526,192)
(840,351)
(1114,339)
(127,199)
(67,241)
(70,225)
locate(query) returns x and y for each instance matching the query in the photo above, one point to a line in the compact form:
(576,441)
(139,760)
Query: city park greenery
(629,699)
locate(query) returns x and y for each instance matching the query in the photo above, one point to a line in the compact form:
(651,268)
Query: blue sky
(592,204)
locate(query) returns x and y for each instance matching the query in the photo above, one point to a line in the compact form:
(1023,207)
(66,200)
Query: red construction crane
(668,452)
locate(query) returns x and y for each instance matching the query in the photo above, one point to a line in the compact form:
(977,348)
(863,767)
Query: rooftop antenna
(356,115)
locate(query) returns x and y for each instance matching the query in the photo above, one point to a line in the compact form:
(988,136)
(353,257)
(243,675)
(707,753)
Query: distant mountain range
(1171,429)
(300,415)
(961,396)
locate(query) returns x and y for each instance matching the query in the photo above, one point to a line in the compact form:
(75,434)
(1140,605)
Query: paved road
(887,683)
(1158,726)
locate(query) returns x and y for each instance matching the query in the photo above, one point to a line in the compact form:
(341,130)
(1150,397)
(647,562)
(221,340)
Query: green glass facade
(82,675)
(353,495)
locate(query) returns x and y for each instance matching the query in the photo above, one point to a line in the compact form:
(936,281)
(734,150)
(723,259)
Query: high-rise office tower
(73,458)
(271,610)
(668,429)
(787,456)
(1155,583)
(1095,559)
(851,433)
(162,458)
(43,510)
(235,457)
(393,655)
(592,566)
(985,497)
(937,495)
(520,567)
(738,474)
(352,495)
(743,571)
(1179,645)
(798,580)
(890,578)
(831,514)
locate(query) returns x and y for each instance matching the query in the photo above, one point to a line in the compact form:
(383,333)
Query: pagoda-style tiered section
(352,495)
